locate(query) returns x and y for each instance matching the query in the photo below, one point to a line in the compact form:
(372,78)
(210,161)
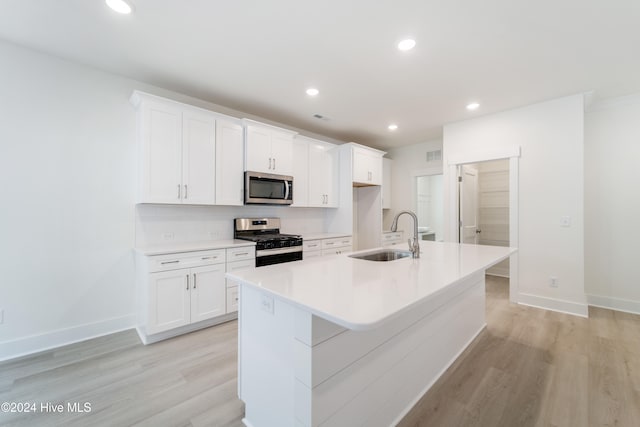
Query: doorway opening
(452,198)
(483,207)
(429,207)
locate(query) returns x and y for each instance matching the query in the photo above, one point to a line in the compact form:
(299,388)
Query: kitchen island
(341,341)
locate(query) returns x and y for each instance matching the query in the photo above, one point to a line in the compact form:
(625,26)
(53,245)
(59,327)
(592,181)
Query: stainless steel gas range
(272,247)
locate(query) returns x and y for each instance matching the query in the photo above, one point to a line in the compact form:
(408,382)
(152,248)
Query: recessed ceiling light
(392,127)
(312,91)
(473,106)
(120,6)
(407,44)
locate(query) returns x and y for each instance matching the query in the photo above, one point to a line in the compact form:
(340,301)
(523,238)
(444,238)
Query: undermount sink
(383,255)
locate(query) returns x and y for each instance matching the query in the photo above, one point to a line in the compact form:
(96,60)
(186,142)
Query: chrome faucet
(414,246)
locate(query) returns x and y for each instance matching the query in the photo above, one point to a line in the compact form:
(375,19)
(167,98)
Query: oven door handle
(280,251)
(286,189)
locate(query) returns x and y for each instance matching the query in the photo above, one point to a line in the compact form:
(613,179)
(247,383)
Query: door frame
(452,229)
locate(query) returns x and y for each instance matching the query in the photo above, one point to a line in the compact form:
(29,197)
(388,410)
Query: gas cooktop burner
(272,247)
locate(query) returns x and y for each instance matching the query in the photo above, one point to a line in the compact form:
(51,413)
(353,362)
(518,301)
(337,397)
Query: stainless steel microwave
(267,189)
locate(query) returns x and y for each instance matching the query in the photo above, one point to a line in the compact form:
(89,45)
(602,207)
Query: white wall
(550,135)
(408,162)
(612,203)
(67,159)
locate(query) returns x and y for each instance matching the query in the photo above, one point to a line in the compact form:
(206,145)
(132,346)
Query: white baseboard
(617,304)
(150,339)
(562,306)
(37,343)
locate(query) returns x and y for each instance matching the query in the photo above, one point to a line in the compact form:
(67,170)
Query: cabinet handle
(241,254)
(178,191)
(187,282)
(209,257)
(169,262)
(269,163)
(274,163)
(194,280)
(185,191)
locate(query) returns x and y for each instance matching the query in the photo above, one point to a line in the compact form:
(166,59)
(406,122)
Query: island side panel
(298,369)
(265,370)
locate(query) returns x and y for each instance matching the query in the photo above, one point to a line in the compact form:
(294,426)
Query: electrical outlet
(267,303)
(214,234)
(553,281)
(565,221)
(167,236)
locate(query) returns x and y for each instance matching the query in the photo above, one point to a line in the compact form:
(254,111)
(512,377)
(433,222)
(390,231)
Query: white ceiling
(260,56)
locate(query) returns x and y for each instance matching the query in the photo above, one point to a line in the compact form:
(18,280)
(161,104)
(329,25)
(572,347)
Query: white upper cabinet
(300,172)
(367,166)
(323,175)
(315,173)
(198,158)
(160,134)
(187,155)
(229,163)
(268,149)
(386,183)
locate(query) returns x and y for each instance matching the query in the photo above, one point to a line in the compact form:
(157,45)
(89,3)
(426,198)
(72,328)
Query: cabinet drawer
(239,265)
(232,299)
(244,252)
(392,237)
(337,251)
(311,245)
(185,260)
(336,243)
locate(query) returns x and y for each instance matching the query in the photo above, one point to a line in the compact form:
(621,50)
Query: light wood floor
(530,367)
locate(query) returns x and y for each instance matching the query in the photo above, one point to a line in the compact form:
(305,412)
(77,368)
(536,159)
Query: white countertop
(359,294)
(191,247)
(318,236)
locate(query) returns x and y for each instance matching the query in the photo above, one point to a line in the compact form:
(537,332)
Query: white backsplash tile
(162,224)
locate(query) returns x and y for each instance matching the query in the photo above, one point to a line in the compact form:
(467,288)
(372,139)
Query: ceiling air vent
(321,117)
(433,156)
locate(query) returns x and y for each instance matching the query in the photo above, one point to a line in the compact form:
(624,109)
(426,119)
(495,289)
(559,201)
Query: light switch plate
(565,221)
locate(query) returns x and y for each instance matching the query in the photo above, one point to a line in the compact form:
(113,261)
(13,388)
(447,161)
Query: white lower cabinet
(392,238)
(186,295)
(324,247)
(208,292)
(176,290)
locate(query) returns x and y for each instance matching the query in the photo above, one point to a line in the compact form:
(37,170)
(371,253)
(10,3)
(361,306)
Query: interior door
(469,230)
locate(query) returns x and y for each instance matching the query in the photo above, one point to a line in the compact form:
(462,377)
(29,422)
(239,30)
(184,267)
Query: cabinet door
(282,153)
(367,167)
(229,164)
(169,300)
(258,150)
(208,292)
(198,158)
(320,175)
(301,172)
(361,171)
(161,156)
(375,166)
